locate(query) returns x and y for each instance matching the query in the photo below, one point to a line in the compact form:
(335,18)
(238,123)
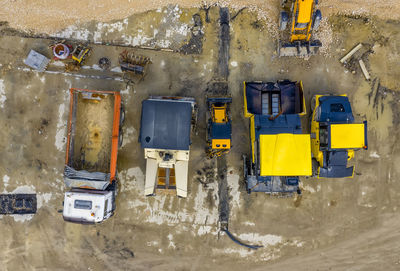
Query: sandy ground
(336,225)
(93,134)
(48,16)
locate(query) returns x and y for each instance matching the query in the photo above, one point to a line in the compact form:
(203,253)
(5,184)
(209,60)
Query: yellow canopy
(285,155)
(347,136)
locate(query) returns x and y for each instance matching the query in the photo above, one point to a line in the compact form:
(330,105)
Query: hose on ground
(234,239)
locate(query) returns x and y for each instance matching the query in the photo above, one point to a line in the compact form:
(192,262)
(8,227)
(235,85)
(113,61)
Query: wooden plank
(349,54)
(364,69)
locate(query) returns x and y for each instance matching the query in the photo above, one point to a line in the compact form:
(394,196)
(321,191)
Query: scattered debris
(133,65)
(73,55)
(104,63)
(18,204)
(237,13)
(351,53)
(61,51)
(37,61)
(195,44)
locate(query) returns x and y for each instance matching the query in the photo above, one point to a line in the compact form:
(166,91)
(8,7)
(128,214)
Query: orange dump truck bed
(93,138)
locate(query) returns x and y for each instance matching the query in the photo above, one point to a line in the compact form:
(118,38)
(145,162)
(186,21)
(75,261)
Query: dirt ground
(50,15)
(342,224)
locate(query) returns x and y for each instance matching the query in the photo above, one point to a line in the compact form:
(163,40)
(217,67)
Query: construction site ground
(337,224)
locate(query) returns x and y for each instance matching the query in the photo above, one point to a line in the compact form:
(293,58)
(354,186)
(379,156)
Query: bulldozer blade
(300,49)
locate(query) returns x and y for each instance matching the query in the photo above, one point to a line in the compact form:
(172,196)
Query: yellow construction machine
(335,136)
(80,53)
(219,128)
(305,19)
(280,151)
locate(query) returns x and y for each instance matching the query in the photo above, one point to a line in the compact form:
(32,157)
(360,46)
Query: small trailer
(94,136)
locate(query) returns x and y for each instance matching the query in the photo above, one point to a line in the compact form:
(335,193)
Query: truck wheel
(122,116)
(120,138)
(116,187)
(283,20)
(315,166)
(317,19)
(312,105)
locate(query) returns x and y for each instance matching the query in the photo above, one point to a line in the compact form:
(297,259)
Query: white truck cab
(88,206)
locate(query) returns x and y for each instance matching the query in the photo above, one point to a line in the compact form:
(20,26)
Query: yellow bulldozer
(305,19)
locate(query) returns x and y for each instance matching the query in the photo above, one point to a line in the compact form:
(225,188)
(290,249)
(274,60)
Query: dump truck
(335,136)
(304,19)
(165,129)
(219,126)
(90,172)
(280,151)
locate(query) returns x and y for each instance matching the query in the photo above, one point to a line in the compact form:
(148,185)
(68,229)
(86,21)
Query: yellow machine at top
(304,19)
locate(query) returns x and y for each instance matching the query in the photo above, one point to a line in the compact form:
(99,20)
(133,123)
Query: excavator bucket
(300,49)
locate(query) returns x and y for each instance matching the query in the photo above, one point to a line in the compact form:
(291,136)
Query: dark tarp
(221,130)
(165,124)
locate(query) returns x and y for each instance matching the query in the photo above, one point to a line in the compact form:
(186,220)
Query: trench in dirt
(223,72)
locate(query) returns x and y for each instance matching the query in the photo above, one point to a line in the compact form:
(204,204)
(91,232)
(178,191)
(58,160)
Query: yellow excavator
(305,19)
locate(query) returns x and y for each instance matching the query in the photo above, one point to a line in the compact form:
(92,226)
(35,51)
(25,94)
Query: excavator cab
(304,19)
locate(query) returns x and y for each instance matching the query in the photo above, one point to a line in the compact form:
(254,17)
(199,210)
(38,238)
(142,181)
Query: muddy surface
(344,224)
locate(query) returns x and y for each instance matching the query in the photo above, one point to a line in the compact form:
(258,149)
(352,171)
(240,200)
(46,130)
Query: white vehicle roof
(81,206)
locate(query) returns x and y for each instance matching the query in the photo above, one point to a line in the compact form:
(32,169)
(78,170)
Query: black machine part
(18,204)
(137,69)
(237,241)
(104,63)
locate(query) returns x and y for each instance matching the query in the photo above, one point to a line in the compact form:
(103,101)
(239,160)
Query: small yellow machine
(219,128)
(80,53)
(334,136)
(305,18)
